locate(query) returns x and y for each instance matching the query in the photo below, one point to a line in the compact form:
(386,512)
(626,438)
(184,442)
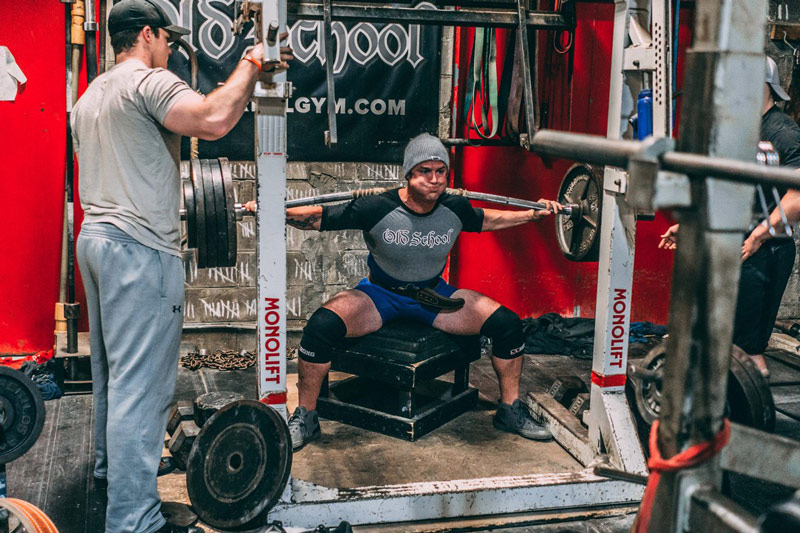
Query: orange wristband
(253,61)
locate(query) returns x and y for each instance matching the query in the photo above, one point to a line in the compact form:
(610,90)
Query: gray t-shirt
(129,163)
(405,247)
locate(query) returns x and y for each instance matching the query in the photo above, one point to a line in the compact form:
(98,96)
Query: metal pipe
(194,142)
(712,511)
(583,147)
(729,169)
(498,18)
(602,151)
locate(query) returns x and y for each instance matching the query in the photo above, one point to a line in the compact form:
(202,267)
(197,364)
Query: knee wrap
(324,330)
(505,329)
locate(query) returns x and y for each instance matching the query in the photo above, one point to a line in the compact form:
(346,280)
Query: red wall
(33,137)
(523,267)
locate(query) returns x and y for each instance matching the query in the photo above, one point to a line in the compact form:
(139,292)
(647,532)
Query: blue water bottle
(644,110)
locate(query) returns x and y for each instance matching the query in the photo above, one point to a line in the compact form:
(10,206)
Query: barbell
(211,213)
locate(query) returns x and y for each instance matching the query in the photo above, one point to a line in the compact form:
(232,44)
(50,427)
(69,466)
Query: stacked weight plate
(210,214)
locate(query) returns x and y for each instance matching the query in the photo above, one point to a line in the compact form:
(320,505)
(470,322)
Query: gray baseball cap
(774,80)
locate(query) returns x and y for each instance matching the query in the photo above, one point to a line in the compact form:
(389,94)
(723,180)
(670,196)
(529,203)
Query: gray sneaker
(515,418)
(303,427)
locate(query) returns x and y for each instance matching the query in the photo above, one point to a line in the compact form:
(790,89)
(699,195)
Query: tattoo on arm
(304,222)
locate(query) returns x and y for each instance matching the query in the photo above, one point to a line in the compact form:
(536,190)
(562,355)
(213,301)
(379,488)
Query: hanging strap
(482,80)
(692,456)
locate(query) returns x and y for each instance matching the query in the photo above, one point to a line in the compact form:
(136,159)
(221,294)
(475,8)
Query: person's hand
(749,247)
(669,239)
(551,206)
(250,206)
(287,54)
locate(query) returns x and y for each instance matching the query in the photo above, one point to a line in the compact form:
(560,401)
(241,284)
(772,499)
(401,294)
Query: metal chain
(220,360)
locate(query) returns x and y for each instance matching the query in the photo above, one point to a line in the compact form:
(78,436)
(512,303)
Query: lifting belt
(431,298)
(425,296)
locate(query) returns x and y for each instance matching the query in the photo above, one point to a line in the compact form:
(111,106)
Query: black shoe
(303,427)
(171,528)
(515,418)
(165,466)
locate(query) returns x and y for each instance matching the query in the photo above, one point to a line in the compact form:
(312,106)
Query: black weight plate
(210,214)
(230,199)
(21,414)
(750,401)
(200,211)
(239,465)
(223,259)
(647,394)
(191,214)
(579,236)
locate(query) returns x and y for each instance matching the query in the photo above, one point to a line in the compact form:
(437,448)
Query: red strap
(692,456)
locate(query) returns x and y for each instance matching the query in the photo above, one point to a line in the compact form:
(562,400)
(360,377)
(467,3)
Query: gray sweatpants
(135,300)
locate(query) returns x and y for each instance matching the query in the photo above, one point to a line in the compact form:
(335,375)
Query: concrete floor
(56,473)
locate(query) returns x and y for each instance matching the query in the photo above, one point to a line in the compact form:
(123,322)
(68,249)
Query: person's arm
(496,219)
(214,115)
(791,207)
(305,217)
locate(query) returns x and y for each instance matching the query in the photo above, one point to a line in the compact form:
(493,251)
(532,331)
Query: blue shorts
(392,306)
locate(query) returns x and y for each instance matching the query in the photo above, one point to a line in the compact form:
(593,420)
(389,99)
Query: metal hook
(794,50)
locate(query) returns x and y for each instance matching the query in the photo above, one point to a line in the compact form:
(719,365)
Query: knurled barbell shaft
(493,198)
(349,195)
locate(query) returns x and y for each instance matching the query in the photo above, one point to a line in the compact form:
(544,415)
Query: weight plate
(230,199)
(200,213)
(579,234)
(21,414)
(749,399)
(239,465)
(647,393)
(223,259)
(191,220)
(209,403)
(210,217)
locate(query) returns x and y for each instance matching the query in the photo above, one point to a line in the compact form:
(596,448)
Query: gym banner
(386,82)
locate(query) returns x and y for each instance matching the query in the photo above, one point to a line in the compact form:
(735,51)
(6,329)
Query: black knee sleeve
(505,329)
(324,330)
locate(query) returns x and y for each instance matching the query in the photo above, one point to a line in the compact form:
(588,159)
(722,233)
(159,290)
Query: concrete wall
(220,310)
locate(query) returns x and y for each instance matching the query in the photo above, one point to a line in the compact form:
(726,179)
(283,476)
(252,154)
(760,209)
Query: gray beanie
(424,147)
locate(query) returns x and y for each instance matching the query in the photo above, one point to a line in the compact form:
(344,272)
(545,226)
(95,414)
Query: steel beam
(763,456)
(710,511)
(498,18)
(310,505)
(721,112)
